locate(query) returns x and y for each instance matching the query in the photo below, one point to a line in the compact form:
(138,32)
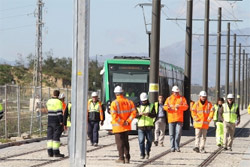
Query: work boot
(230,149)
(57,153)
(202,151)
(178,150)
(127,161)
(225,148)
(50,152)
(120,161)
(95,144)
(172,150)
(147,156)
(156,143)
(142,156)
(196,149)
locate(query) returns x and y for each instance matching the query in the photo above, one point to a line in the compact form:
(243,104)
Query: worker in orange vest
(122,111)
(202,113)
(175,105)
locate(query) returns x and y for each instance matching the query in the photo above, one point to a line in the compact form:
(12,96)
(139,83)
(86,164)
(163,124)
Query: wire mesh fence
(25,109)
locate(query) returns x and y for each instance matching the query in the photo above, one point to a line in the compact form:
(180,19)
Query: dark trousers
(54,132)
(122,143)
(93,134)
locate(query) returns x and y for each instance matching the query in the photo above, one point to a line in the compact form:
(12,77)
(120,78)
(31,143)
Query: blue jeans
(175,131)
(142,134)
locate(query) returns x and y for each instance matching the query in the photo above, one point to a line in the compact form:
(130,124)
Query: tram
(132,74)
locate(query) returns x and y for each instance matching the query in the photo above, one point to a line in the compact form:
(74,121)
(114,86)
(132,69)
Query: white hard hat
(94,94)
(118,89)
(203,93)
(175,89)
(230,96)
(143,96)
(61,96)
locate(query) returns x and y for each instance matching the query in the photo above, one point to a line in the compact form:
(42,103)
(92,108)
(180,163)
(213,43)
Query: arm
(183,106)
(152,114)
(167,107)
(65,116)
(211,113)
(133,113)
(194,112)
(238,116)
(101,111)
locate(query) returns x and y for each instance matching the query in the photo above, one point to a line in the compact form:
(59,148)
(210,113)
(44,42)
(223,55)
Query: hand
(237,123)
(126,123)
(65,128)
(177,106)
(102,123)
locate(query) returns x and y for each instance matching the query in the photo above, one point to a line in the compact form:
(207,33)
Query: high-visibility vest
(202,114)
(95,112)
(175,115)
(216,112)
(69,115)
(54,107)
(230,115)
(145,120)
(122,109)
(1,111)
(130,95)
(249,109)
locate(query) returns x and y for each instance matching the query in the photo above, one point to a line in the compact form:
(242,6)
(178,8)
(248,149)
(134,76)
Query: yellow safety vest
(145,120)
(230,115)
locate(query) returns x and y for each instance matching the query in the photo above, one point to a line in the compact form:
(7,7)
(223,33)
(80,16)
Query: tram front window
(133,83)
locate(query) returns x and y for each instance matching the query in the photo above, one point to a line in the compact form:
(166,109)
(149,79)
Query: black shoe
(59,155)
(196,149)
(50,155)
(225,148)
(156,143)
(95,144)
(172,150)
(219,145)
(147,156)
(178,150)
(142,157)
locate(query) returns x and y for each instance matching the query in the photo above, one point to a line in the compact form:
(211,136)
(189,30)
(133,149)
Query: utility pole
(154,52)
(217,93)
(234,64)
(227,60)
(243,79)
(79,93)
(188,62)
(37,76)
(246,81)
(238,85)
(206,43)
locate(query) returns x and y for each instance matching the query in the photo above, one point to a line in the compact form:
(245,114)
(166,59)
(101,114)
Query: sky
(116,26)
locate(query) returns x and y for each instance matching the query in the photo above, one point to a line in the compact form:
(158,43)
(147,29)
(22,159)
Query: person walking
(67,122)
(55,125)
(231,118)
(218,122)
(1,109)
(175,105)
(248,109)
(160,121)
(122,111)
(146,114)
(202,113)
(95,116)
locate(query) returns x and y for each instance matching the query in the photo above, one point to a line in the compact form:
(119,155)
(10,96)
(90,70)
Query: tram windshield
(133,79)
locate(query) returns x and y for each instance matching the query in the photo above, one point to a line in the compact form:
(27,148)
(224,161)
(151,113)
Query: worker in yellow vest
(1,110)
(231,118)
(248,109)
(218,122)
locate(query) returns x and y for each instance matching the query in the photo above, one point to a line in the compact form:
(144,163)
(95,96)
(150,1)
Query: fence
(25,110)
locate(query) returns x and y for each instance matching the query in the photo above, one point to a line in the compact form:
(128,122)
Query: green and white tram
(132,74)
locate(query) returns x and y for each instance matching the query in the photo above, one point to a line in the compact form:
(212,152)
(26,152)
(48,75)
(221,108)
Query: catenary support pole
(217,89)
(206,46)
(188,62)
(234,65)
(243,81)
(154,52)
(238,85)
(78,142)
(227,60)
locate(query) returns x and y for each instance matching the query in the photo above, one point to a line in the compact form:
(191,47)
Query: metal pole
(78,135)
(18,111)
(246,82)
(227,60)
(206,48)
(154,52)
(149,43)
(217,93)
(234,65)
(188,62)
(238,85)
(243,80)
(5,113)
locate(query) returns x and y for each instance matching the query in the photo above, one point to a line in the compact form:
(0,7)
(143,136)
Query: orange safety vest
(122,110)
(99,108)
(174,114)
(202,114)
